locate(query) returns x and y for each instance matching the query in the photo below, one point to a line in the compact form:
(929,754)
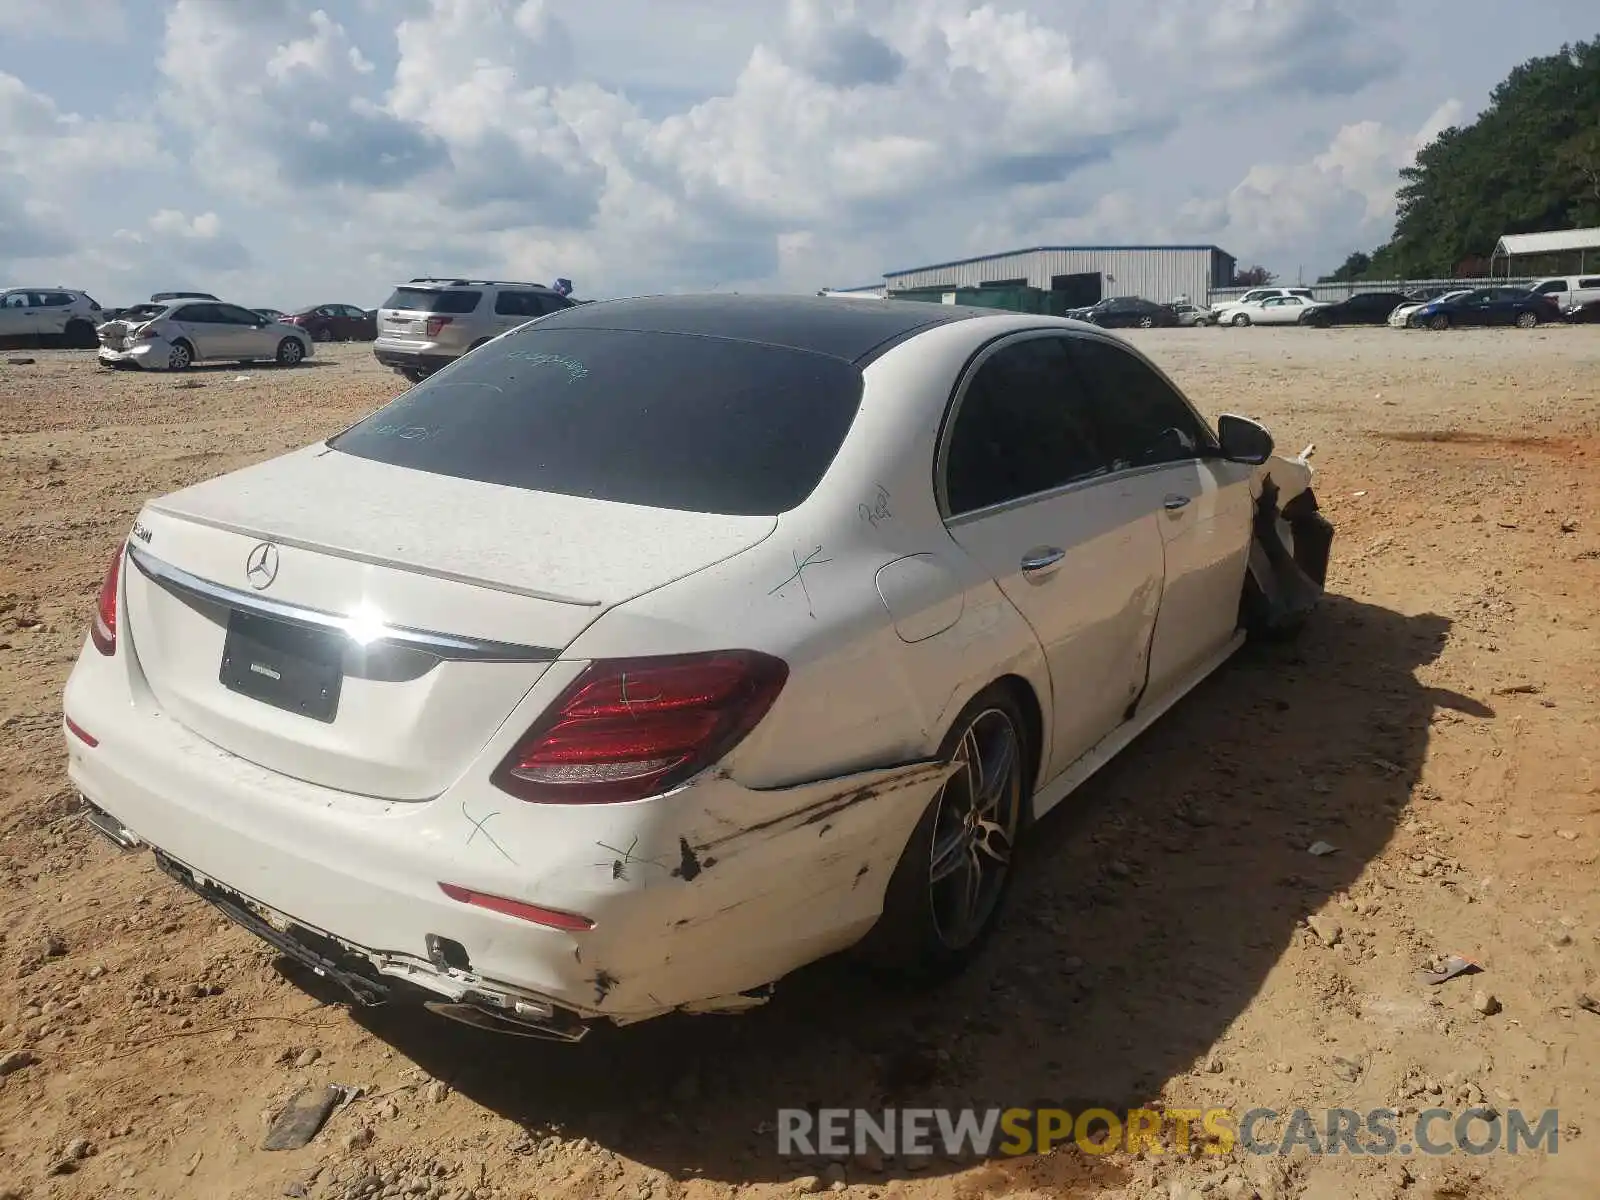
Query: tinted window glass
(1023,428)
(237,316)
(667,420)
(428,300)
(1553,285)
(519,304)
(199,314)
(1142,419)
(1589,283)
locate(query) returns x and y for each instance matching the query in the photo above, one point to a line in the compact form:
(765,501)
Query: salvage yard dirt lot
(1437,724)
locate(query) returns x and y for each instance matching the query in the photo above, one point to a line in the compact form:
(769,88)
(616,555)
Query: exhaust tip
(108,827)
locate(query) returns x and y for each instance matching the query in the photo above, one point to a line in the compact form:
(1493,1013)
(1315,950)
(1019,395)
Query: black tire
(1527,320)
(322,334)
(1439,322)
(414,374)
(181,356)
(915,940)
(1239,321)
(80,335)
(290,353)
(1147,322)
(479,342)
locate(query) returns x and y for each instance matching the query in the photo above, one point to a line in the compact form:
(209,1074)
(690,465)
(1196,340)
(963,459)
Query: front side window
(1142,418)
(1023,427)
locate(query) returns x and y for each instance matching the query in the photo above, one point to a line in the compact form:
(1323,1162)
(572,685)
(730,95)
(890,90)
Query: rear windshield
(429,300)
(678,421)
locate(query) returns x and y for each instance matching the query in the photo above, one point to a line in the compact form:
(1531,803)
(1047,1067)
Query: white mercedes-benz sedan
(662,646)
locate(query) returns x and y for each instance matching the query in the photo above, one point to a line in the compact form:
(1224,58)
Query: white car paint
(1282,310)
(1223,308)
(890,617)
(45,312)
(194,331)
(1401,316)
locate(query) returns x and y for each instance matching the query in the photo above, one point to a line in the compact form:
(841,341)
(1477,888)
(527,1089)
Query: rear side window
(432,301)
(1589,283)
(521,304)
(1144,421)
(1024,427)
(701,424)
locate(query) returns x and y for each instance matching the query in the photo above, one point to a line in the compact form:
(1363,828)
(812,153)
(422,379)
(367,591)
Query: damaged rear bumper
(697,899)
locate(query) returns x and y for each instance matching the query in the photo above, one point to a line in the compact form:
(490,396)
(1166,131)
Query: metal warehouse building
(1084,273)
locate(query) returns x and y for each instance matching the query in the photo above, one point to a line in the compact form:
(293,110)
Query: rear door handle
(1174,503)
(1038,561)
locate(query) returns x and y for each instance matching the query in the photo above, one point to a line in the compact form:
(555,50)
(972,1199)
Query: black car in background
(1586,314)
(1366,308)
(1127,312)
(1488,306)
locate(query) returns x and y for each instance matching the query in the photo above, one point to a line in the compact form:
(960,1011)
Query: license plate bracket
(291,667)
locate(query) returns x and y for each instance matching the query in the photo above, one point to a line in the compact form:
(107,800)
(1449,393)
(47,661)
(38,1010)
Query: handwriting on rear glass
(878,510)
(575,370)
(411,433)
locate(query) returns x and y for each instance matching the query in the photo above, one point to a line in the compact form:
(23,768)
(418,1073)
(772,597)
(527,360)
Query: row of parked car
(1571,298)
(426,323)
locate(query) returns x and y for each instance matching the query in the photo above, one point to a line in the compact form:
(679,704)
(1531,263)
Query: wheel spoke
(972,893)
(997,775)
(972,757)
(948,855)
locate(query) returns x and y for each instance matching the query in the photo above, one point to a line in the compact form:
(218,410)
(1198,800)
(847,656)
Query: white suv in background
(428,323)
(1569,292)
(34,314)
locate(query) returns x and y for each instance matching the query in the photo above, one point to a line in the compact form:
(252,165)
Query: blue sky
(288,152)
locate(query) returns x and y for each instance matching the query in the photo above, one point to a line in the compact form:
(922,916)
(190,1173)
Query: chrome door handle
(1174,503)
(1042,560)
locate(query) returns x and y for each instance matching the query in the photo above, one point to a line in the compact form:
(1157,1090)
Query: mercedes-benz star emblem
(261,568)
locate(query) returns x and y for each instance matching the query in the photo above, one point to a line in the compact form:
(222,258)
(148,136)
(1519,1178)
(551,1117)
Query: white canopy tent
(1584,242)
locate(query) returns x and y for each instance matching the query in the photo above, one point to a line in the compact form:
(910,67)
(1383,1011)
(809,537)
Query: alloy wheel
(975,829)
(178,358)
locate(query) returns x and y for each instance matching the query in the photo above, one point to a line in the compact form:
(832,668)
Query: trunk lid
(369,627)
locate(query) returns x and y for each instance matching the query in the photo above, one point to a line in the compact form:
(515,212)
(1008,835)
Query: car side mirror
(1243,440)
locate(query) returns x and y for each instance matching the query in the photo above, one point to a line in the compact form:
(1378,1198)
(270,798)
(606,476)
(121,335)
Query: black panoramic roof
(847,329)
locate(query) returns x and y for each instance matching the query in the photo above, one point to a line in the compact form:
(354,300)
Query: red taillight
(437,323)
(552,917)
(630,728)
(104,628)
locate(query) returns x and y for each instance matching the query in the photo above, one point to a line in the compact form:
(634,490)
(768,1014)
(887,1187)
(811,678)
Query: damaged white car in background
(663,646)
(174,336)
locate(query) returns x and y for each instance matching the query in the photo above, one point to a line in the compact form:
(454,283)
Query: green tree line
(1529,163)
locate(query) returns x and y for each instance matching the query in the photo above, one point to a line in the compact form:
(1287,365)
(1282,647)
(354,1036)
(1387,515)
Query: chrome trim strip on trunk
(445,646)
(370,559)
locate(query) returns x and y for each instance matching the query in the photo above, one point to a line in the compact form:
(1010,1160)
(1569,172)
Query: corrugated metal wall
(1155,273)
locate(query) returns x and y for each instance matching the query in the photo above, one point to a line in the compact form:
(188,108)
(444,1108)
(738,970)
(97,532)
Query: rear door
(1029,496)
(18,315)
(513,308)
(202,326)
(1167,456)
